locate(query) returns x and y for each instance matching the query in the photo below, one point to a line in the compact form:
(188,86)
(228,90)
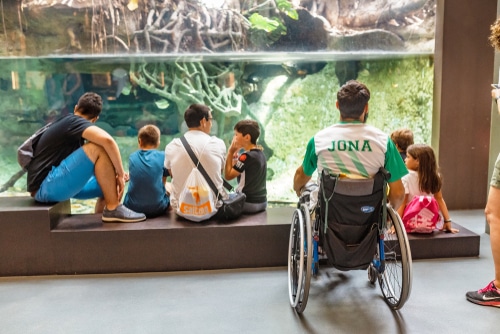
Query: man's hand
(233,149)
(232,155)
(120,186)
(447,228)
(495,93)
(299,180)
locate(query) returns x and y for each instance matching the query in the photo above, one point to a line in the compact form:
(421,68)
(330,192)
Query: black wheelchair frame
(391,262)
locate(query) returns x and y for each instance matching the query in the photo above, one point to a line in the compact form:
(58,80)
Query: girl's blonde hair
(429,180)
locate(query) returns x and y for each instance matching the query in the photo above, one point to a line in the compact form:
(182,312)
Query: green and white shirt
(355,149)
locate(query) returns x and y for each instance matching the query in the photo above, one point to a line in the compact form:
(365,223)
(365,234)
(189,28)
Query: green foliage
(267,24)
(264,31)
(162,104)
(401,96)
(286,7)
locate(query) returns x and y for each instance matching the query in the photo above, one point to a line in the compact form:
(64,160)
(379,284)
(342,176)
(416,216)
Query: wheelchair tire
(395,280)
(300,259)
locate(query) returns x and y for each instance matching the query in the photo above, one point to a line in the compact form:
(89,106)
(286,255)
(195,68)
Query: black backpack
(25,151)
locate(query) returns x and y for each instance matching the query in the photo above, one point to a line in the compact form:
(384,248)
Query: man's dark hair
(248,127)
(352,97)
(195,113)
(90,105)
(149,135)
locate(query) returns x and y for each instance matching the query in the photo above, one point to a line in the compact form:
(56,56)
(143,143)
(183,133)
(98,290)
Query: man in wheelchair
(359,171)
(350,149)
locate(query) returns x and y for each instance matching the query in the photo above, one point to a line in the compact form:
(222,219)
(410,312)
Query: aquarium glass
(281,66)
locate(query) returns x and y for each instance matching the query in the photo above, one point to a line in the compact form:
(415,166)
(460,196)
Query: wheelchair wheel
(395,280)
(300,259)
(372,274)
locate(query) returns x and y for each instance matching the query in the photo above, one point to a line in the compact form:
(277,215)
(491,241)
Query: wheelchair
(357,229)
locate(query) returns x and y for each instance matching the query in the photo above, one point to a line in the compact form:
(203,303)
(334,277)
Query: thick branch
(13,179)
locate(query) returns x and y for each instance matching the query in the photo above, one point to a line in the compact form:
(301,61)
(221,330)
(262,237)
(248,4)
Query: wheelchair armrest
(385,172)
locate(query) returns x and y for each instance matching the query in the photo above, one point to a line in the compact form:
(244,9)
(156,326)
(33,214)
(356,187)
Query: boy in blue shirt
(146,191)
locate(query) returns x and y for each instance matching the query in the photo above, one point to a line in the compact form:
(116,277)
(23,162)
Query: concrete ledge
(25,239)
(444,245)
(38,239)
(82,244)
(41,239)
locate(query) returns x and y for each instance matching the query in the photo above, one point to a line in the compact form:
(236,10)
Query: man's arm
(402,207)
(100,137)
(299,180)
(229,172)
(166,163)
(310,161)
(396,194)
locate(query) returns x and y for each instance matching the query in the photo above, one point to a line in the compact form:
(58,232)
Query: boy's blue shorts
(73,178)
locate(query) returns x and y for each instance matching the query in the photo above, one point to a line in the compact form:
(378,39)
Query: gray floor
(252,301)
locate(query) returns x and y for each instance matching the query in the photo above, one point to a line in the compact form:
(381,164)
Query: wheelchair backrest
(351,187)
(351,201)
(333,183)
(351,212)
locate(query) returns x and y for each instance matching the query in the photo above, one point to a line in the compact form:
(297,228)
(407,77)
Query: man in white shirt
(352,147)
(210,150)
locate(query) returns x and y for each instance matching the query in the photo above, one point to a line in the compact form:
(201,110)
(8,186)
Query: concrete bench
(39,239)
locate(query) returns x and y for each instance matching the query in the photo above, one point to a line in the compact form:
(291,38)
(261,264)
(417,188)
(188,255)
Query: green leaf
(126,90)
(260,22)
(162,104)
(286,7)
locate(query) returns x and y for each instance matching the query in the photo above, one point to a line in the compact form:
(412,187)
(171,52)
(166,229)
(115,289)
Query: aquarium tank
(279,62)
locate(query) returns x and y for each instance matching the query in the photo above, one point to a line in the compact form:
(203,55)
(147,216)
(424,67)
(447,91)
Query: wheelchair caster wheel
(372,274)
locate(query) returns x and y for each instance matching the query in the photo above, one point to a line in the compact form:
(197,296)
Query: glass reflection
(279,62)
